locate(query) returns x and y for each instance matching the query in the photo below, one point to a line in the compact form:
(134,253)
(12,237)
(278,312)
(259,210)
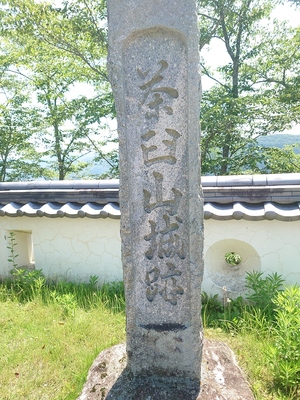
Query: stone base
(221,379)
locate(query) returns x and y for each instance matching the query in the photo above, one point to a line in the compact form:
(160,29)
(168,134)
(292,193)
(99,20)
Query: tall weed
(26,284)
(12,250)
(211,310)
(66,302)
(284,353)
(261,291)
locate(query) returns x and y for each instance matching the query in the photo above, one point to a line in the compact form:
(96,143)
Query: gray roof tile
(54,210)
(251,197)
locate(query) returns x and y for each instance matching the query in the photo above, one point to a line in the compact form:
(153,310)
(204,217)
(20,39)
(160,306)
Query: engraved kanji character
(171,291)
(173,204)
(170,148)
(149,88)
(151,281)
(152,238)
(171,271)
(170,243)
(165,242)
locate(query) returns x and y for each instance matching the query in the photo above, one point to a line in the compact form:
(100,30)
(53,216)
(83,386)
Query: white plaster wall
(71,248)
(81,247)
(274,247)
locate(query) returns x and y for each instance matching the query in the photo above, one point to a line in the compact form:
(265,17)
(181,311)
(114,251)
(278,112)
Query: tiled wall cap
(283,179)
(207,181)
(251,180)
(234,180)
(259,180)
(67,184)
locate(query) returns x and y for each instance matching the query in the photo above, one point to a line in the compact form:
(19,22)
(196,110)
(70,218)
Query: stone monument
(153,68)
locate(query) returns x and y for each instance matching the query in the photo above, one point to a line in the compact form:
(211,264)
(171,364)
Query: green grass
(48,343)
(45,357)
(52,332)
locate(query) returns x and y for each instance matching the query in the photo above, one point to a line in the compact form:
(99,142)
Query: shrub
(261,290)
(26,284)
(233,258)
(284,354)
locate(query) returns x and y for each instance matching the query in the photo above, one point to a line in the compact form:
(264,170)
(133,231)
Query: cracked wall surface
(74,249)
(82,247)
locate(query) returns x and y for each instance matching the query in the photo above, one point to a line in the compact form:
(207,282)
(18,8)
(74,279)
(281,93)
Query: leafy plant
(67,303)
(12,250)
(93,282)
(234,307)
(211,308)
(220,313)
(27,283)
(284,354)
(233,258)
(261,290)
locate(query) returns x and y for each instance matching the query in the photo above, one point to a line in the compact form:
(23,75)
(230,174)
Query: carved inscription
(165,243)
(168,288)
(154,95)
(165,246)
(171,204)
(157,127)
(168,155)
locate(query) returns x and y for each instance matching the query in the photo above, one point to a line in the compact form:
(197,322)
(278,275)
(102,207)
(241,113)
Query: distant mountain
(95,169)
(278,140)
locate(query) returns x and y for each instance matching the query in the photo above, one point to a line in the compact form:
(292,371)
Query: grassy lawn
(50,335)
(45,356)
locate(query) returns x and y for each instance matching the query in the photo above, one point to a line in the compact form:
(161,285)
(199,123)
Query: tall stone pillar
(153,68)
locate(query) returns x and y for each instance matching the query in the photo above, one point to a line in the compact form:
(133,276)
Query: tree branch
(205,71)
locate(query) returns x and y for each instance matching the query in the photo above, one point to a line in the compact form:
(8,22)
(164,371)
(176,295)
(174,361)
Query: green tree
(240,106)
(284,160)
(54,49)
(77,28)
(19,123)
(279,72)
(227,145)
(48,77)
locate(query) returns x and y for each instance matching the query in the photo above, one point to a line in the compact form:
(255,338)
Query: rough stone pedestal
(221,378)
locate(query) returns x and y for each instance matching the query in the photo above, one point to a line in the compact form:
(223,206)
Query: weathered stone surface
(221,379)
(153,67)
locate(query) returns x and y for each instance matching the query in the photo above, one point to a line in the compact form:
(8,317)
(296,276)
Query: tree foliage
(255,90)
(18,124)
(49,51)
(285,160)
(54,50)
